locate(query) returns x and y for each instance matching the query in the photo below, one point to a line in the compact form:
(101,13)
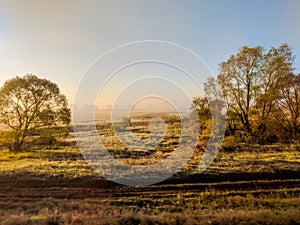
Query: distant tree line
(261,94)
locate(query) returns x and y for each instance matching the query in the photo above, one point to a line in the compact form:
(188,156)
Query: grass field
(252,185)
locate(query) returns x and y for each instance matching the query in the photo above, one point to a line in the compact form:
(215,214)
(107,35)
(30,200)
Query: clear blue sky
(59,39)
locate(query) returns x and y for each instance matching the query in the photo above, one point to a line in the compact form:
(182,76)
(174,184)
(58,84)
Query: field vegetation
(251,184)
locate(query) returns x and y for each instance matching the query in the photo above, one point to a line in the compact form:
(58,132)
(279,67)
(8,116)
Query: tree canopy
(28,103)
(261,92)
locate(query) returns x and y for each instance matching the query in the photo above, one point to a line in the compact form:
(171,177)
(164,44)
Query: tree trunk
(16,146)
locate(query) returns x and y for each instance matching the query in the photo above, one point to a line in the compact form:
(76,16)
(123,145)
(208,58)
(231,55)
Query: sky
(60,39)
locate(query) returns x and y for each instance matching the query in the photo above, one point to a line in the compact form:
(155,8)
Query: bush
(231,141)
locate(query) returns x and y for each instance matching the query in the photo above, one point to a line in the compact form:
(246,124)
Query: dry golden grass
(253,185)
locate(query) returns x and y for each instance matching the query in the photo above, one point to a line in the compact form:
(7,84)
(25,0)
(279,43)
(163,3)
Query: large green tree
(30,103)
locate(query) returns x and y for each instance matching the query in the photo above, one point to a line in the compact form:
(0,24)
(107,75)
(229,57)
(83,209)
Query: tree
(250,81)
(211,114)
(30,103)
(275,75)
(238,79)
(200,105)
(287,108)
